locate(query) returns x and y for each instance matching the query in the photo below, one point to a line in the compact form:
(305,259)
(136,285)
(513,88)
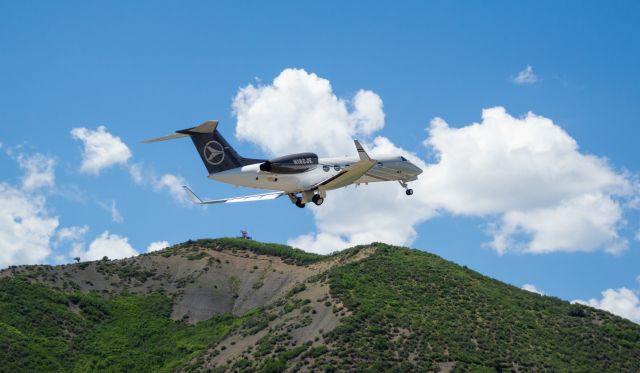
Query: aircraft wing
(352,173)
(255,197)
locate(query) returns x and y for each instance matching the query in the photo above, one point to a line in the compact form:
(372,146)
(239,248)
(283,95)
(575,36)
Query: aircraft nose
(416,169)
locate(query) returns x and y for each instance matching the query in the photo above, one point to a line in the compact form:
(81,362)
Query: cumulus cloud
(532,288)
(622,302)
(525,175)
(101,149)
(299,111)
(505,163)
(38,170)
(157,245)
(167,182)
(71,239)
(26,228)
(530,172)
(376,212)
(584,223)
(526,76)
(173,184)
(74,233)
(110,245)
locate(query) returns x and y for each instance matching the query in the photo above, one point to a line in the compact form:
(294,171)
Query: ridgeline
(232,305)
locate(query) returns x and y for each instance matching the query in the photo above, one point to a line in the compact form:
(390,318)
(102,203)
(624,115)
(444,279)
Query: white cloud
(38,170)
(585,223)
(548,195)
(622,302)
(376,212)
(74,233)
(157,245)
(73,237)
(25,227)
(77,250)
(100,149)
(135,170)
(532,288)
(367,115)
(110,245)
(299,111)
(116,217)
(526,76)
(173,184)
(514,172)
(115,214)
(506,163)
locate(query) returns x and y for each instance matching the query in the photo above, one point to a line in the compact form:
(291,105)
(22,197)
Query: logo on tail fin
(214,153)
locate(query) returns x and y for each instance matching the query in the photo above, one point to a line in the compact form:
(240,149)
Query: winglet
(361,152)
(195,199)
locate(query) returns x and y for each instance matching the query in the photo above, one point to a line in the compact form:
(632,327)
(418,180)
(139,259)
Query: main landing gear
(408,191)
(310,196)
(317,199)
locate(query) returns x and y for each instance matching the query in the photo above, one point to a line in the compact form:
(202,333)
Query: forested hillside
(240,305)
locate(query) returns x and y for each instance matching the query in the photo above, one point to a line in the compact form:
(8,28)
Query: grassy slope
(411,310)
(39,332)
(287,253)
(35,328)
(449,313)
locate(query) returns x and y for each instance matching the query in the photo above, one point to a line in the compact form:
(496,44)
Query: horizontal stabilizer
(206,127)
(170,137)
(250,198)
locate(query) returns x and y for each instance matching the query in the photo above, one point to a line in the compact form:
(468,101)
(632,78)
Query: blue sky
(146,69)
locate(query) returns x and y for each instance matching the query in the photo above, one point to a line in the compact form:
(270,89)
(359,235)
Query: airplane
(303,177)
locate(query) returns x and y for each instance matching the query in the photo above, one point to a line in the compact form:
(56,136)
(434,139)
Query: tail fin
(215,152)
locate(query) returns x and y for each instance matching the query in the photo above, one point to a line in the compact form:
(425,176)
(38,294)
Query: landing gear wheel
(317,200)
(409,192)
(299,203)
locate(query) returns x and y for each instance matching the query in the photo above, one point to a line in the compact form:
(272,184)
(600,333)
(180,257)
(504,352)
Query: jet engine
(290,164)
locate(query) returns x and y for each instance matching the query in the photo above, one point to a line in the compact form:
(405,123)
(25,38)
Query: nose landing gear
(408,191)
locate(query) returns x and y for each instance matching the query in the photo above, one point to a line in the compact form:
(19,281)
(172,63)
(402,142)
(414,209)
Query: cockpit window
(403,159)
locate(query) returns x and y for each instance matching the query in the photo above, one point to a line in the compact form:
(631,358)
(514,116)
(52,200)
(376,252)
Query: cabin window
(336,167)
(326,168)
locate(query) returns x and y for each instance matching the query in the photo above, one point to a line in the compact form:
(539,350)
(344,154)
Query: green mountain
(242,306)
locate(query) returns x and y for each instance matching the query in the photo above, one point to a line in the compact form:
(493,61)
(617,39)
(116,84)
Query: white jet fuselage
(303,177)
(387,168)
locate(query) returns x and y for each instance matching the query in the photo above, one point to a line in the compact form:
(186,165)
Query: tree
(77,259)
